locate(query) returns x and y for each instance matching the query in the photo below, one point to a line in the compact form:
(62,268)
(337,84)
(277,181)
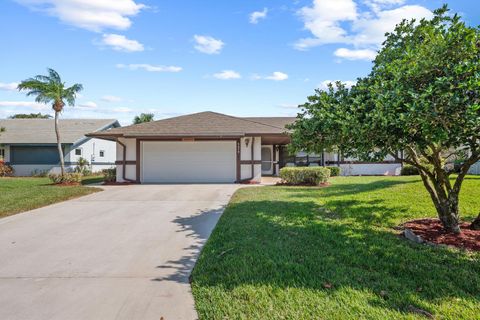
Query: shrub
(5,169)
(39,173)
(313,176)
(110,174)
(408,170)
(334,171)
(66,178)
(82,166)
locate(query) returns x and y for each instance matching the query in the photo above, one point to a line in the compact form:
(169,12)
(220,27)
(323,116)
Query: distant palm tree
(144,117)
(51,89)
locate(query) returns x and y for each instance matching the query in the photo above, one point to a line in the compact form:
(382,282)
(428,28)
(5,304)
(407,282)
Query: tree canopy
(420,104)
(30,116)
(143,117)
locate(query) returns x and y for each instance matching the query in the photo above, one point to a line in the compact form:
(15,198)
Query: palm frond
(54,75)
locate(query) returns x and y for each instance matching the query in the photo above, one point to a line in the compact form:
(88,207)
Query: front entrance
(267,160)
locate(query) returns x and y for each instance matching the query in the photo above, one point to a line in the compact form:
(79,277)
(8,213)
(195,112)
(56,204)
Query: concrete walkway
(124,253)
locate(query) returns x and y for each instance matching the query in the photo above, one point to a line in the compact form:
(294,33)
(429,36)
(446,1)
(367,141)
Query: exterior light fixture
(247,141)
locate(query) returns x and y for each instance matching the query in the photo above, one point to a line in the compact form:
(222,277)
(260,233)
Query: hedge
(408,170)
(334,171)
(312,176)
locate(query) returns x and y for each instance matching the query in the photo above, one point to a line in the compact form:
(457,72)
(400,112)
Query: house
(475,169)
(210,147)
(30,145)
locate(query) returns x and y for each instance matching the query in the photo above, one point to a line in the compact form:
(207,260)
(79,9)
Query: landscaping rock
(412,236)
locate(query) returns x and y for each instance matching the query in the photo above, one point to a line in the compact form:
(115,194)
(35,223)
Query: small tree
(51,89)
(420,105)
(143,117)
(30,116)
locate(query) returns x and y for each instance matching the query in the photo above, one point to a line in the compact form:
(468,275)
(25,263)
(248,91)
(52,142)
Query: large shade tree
(50,89)
(420,104)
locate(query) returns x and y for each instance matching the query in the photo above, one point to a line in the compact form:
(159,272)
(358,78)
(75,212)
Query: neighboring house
(30,145)
(214,147)
(475,169)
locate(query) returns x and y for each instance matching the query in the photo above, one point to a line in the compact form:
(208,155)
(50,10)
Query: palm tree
(51,89)
(143,117)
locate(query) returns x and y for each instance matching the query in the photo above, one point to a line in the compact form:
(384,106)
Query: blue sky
(246,58)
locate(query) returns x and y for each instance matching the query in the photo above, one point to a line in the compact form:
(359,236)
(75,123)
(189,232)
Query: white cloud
(25,104)
(88,105)
(359,54)
(227,75)
(121,43)
(122,110)
(347,83)
(94,15)
(277,76)
(288,106)
(208,45)
(258,15)
(12,86)
(149,67)
(342,22)
(110,98)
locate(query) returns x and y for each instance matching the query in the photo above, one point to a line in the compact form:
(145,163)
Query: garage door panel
(183,162)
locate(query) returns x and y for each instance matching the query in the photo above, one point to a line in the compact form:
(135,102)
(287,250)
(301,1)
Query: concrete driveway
(124,253)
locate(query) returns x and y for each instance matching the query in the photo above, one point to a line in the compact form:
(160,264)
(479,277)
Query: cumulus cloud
(342,22)
(121,43)
(25,104)
(149,67)
(12,86)
(227,75)
(359,54)
(347,83)
(110,98)
(93,15)
(88,105)
(255,16)
(208,45)
(277,76)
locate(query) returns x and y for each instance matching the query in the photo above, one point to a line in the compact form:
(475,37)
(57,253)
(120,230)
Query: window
(34,155)
(2,153)
(78,152)
(102,153)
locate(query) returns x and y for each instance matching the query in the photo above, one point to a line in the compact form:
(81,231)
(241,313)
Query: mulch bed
(431,230)
(114,183)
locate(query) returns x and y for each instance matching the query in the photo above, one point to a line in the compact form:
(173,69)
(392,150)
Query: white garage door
(183,162)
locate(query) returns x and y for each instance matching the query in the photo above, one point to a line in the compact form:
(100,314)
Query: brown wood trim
(252,157)
(274,159)
(138,156)
(183,138)
(238,151)
(250,162)
(128,162)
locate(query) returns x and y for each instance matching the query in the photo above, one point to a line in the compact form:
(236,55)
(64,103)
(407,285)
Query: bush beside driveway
(334,253)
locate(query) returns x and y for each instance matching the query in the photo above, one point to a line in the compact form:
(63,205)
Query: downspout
(253,165)
(124,161)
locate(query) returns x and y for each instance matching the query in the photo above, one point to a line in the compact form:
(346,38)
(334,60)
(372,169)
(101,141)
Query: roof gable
(203,124)
(42,131)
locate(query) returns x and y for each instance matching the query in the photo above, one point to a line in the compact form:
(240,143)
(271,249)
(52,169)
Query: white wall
(7,152)
(91,151)
(475,169)
(371,169)
(131,169)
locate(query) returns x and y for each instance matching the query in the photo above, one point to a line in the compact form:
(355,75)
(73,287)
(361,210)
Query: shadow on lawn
(299,245)
(340,189)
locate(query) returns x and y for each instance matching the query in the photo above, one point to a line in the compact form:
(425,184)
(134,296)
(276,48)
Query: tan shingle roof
(42,131)
(202,124)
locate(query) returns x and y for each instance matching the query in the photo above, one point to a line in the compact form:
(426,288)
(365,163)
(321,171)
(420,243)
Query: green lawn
(22,194)
(276,251)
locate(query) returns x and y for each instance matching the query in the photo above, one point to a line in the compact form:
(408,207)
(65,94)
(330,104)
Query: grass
(333,253)
(22,194)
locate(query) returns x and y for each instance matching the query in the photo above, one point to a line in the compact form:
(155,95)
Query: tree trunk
(449,214)
(476,223)
(59,144)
